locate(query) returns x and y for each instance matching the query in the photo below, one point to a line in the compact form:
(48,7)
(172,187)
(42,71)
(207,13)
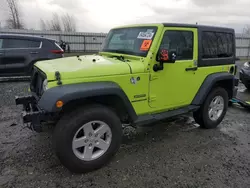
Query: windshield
(132,41)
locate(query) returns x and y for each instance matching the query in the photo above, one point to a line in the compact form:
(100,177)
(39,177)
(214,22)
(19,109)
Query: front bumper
(32,114)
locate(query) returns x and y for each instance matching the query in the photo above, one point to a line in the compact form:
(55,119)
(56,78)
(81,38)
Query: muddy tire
(213,110)
(197,118)
(87,138)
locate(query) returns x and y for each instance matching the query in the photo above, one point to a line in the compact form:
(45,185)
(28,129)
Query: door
(19,53)
(2,66)
(174,86)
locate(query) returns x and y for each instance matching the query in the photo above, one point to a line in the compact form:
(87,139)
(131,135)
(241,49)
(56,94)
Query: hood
(88,66)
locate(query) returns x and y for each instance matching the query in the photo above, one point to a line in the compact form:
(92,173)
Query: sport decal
(145,35)
(164,55)
(145,45)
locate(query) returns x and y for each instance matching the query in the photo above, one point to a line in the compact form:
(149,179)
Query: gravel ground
(172,154)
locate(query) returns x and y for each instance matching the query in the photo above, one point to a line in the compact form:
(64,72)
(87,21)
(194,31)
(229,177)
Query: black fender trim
(209,82)
(67,93)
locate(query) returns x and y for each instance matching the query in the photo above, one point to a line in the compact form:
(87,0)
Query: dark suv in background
(18,53)
(245,74)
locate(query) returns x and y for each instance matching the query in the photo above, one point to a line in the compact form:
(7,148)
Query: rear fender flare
(209,83)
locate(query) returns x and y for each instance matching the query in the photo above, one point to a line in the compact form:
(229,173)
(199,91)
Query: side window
(20,43)
(217,45)
(179,41)
(209,45)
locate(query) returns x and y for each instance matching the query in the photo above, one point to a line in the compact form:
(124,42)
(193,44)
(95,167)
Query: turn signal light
(59,104)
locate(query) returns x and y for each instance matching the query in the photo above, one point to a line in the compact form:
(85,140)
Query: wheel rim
(91,140)
(216,108)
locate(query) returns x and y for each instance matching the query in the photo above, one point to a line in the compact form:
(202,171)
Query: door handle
(191,69)
(33,52)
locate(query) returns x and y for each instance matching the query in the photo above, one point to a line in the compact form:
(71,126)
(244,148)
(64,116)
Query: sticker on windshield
(145,45)
(145,35)
(150,31)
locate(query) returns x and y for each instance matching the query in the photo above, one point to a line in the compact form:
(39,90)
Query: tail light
(57,51)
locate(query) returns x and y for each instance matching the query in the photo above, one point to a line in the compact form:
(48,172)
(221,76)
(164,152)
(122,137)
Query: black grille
(36,85)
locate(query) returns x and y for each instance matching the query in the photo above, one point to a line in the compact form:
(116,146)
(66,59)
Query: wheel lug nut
(86,141)
(90,145)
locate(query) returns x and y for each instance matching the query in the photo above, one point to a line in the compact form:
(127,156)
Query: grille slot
(37,79)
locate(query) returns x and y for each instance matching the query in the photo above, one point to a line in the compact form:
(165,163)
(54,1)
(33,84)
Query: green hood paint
(88,66)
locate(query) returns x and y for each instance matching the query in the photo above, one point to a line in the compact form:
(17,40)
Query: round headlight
(45,85)
(246,65)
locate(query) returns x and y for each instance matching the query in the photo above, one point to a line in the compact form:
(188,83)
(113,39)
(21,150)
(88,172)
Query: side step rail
(153,118)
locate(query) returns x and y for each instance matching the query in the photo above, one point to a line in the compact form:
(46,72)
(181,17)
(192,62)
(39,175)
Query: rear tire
(197,117)
(213,110)
(87,138)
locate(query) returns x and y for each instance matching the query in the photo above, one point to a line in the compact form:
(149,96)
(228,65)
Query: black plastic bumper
(32,115)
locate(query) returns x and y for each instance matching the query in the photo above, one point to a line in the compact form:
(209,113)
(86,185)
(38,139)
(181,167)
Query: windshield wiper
(120,57)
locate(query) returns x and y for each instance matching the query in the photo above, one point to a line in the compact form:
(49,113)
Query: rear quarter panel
(201,74)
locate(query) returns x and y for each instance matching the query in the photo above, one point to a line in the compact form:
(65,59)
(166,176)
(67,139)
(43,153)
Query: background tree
(14,21)
(43,25)
(246,30)
(68,22)
(55,23)
(65,22)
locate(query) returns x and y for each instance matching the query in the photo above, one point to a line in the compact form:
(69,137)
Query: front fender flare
(67,93)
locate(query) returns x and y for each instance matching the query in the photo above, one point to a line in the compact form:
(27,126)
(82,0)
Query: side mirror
(164,56)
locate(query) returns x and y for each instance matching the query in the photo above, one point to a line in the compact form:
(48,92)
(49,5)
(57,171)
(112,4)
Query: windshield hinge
(152,98)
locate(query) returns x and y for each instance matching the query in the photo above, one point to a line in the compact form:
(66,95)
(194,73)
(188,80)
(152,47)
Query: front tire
(87,138)
(213,110)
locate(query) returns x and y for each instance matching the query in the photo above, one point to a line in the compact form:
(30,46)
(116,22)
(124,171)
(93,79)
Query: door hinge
(152,98)
(153,77)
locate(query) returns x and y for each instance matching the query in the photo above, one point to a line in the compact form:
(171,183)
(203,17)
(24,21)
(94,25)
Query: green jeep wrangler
(143,74)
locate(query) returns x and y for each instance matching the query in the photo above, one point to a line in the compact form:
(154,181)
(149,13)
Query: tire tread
(201,116)
(70,122)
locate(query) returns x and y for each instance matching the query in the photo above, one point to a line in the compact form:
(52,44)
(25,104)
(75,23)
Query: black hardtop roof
(24,36)
(200,27)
